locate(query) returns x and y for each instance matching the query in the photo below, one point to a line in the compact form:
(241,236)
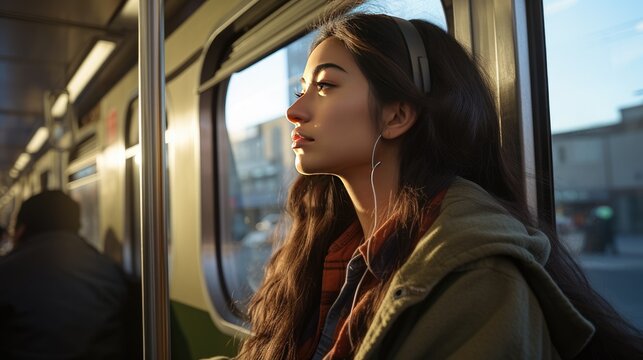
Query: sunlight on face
(334,131)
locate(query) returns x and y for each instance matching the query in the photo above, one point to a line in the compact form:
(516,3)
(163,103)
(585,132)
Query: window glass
(132,246)
(260,164)
(595,68)
(83,188)
(431,11)
(87,196)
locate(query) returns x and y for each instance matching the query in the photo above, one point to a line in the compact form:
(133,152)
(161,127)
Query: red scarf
(334,273)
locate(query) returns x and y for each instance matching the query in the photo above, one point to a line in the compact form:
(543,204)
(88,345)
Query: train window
(260,164)
(431,11)
(132,242)
(131,133)
(595,68)
(83,187)
(87,196)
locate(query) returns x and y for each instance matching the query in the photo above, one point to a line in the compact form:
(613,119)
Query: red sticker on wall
(112,126)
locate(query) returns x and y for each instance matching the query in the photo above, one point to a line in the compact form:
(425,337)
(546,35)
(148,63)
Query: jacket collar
(472,225)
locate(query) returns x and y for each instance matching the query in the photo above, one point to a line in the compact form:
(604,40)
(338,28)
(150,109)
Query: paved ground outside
(619,277)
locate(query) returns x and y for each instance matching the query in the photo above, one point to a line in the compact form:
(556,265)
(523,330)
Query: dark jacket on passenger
(61,299)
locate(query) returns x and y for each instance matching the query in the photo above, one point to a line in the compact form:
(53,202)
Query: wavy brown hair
(456,134)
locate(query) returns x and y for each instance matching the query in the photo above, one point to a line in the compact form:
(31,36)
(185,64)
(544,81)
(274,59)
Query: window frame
(540,109)
(212,93)
(83,155)
(522,102)
(134,266)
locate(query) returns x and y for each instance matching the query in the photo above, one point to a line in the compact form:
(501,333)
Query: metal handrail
(156,336)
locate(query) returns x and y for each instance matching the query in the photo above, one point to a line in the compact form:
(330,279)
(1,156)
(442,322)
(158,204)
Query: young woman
(409,236)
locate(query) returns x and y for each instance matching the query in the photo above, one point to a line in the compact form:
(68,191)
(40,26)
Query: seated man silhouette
(59,297)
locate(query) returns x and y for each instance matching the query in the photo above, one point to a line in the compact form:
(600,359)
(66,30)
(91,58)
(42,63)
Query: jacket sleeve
(484,311)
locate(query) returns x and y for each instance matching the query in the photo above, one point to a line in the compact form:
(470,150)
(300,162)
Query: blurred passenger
(60,298)
(599,232)
(411,237)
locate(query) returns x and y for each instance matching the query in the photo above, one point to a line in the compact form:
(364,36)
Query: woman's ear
(398,118)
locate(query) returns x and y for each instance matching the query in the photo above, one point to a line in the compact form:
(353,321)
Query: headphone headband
(417,54)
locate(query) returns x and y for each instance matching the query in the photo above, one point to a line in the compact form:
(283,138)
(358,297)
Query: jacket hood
(472,225)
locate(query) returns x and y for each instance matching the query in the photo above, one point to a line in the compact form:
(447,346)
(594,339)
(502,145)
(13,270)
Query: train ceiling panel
(17,99)
(43,42)
(89,12)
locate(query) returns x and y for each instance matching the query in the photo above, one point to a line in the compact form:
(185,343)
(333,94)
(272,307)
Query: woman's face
(334,130)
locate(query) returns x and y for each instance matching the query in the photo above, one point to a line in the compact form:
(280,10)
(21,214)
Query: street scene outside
(597,136)
(595,75)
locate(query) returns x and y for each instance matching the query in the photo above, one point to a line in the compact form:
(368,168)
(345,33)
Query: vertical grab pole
(156,335)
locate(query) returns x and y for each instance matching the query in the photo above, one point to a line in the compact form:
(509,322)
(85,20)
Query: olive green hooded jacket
(475,287)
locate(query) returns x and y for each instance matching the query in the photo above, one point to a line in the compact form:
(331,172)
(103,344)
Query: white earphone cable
(368,241)
(375,215)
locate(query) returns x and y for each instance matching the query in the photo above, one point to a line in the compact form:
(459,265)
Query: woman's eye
(321,86)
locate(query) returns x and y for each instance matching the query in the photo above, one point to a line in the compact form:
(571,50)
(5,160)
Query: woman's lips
(298,139)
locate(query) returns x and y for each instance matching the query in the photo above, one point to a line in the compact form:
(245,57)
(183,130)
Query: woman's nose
(297,112)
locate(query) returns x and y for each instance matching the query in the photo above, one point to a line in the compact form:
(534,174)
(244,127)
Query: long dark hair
(456,134)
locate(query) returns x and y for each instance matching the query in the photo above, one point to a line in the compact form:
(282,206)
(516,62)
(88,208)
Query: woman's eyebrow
(323,66)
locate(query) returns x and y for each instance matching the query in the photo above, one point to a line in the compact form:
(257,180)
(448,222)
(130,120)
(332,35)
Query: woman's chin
(305,168)
(300,167)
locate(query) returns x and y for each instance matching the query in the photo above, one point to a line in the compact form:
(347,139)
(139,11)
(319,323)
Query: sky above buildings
(594,60)
(260,92)
(594,56)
